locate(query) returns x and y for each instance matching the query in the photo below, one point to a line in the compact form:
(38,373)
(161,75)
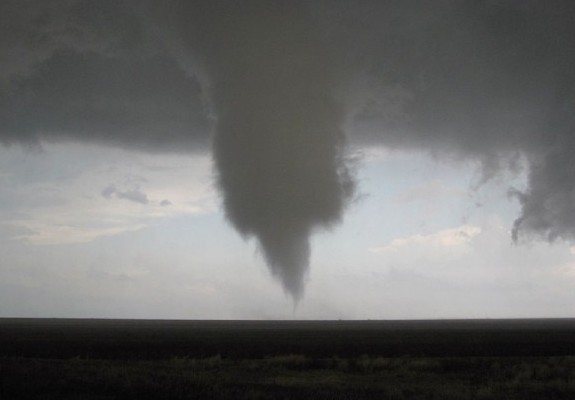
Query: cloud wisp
(135,195)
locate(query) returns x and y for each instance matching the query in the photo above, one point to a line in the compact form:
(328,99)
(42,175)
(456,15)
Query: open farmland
(152,339)
(68,358)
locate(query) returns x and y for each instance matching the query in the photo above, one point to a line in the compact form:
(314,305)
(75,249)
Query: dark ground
(154,359)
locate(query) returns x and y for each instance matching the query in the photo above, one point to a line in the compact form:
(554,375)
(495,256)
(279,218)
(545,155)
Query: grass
(79,359)
(291,376)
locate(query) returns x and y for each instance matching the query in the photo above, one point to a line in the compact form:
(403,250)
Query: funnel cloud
(278,143)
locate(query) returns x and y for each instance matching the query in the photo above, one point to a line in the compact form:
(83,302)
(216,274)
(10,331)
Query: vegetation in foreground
(290,376)
(152,359)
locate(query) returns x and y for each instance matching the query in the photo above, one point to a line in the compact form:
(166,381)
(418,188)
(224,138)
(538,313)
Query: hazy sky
(225,159)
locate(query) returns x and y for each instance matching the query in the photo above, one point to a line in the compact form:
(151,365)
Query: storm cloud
(488,80)
(282,86)
(83,70)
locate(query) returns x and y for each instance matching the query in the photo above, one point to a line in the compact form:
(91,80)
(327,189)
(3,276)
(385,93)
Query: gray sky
(222,159)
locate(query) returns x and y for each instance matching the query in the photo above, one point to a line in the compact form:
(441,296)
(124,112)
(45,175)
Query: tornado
(278,146)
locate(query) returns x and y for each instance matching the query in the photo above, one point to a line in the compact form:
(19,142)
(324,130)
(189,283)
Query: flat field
(162,359)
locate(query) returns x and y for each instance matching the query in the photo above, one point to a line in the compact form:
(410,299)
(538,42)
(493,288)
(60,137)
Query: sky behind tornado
(225,159)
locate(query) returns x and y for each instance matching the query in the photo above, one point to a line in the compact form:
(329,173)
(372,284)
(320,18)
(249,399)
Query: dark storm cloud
(482,79)
(488,80)
(548,204)
(84,70)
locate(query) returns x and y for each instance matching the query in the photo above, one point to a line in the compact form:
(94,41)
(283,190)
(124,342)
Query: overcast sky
(278,160)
